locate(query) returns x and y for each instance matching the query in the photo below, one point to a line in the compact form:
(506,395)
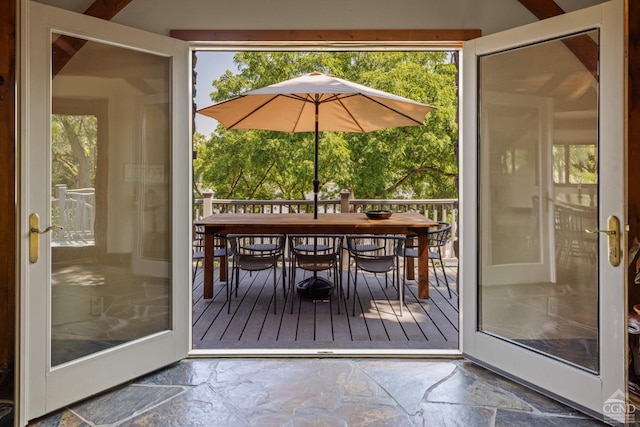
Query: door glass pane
(538,174)
(110,171)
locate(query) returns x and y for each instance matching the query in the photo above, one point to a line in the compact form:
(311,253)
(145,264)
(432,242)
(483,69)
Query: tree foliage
(74,150)
(410,162)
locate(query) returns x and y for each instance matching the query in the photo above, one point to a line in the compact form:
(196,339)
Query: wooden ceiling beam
(64,47)
(106,9)
(448,38)
(583,47)
(542,9)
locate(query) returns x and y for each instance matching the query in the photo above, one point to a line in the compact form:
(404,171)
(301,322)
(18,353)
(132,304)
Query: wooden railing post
(345,195)
(207,197)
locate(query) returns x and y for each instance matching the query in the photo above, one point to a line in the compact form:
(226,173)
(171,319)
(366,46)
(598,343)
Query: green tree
(74,150)
(583,164)
(411,162)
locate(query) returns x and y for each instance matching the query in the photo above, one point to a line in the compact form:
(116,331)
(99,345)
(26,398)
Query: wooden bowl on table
(378,214)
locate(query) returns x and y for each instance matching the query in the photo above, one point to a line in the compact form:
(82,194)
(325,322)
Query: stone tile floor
(320,392)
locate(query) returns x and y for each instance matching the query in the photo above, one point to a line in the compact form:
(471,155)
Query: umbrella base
(315,288)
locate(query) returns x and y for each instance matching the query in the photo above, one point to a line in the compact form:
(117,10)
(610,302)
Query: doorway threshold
(349,353)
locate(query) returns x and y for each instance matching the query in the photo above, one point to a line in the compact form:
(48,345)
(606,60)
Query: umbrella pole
(316,182)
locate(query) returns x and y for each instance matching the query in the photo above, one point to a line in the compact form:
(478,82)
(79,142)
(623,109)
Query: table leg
(208,265)
(409,270)
(223,269)
(423,266)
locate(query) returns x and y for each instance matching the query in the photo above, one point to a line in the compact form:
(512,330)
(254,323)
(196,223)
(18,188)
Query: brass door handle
(46,230)
(34,236)
(607,232)
(614,239)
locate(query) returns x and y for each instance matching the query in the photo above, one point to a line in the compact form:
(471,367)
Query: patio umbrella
(316,103)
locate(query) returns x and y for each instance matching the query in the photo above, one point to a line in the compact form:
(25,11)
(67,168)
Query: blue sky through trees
(209,66)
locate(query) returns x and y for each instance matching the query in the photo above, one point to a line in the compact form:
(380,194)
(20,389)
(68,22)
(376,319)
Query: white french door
(543,160)
(113,171)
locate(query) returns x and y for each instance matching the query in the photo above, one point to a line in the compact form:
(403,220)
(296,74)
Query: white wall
(160,16)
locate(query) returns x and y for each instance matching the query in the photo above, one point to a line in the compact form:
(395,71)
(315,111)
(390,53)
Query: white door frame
(568,384)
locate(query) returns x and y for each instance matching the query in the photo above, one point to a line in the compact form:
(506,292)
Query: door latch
(34,236)
(613,232)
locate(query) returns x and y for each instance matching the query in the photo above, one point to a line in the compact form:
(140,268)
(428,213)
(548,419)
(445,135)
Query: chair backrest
(256,245)
(315,244)
(383,257)
(198,240)
(375,246)
(198,237)
(316,252)
(440,236)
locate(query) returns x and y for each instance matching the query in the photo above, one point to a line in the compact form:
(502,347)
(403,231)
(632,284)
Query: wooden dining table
(405,223)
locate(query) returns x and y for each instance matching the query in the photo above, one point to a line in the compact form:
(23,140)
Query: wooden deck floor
(425,324)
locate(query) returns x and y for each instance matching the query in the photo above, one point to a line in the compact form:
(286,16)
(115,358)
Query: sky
(209,66)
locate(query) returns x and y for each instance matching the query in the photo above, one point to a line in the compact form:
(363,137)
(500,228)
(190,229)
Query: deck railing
(435,209)
(74,210)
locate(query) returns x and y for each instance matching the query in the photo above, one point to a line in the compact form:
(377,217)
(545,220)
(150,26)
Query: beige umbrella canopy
(317,102)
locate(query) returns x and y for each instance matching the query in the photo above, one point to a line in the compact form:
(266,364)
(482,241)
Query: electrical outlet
(553,306)
(96,305)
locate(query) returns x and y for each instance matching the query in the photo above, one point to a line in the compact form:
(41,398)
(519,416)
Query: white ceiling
(160,16)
